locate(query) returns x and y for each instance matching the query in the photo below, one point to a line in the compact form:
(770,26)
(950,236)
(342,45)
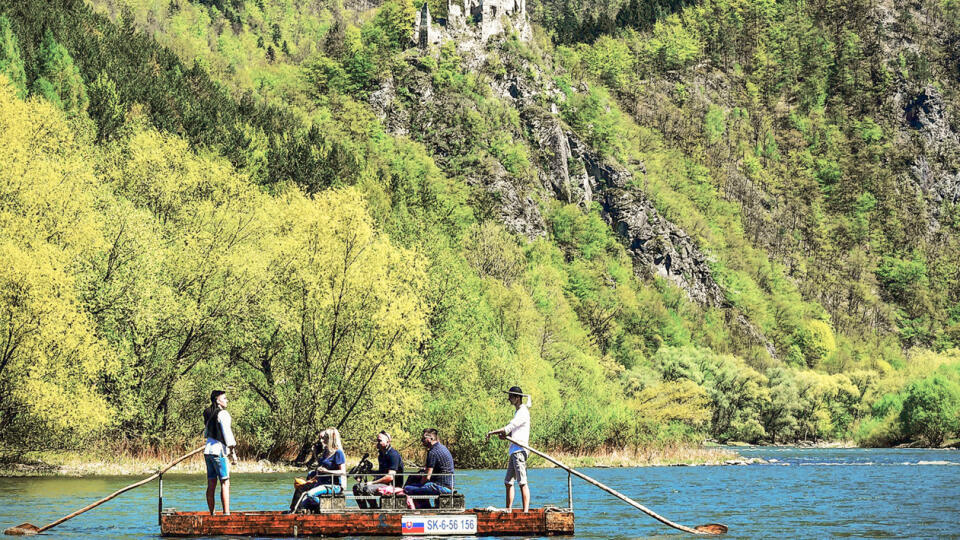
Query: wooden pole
(712,528)
(27,528)
(160,500)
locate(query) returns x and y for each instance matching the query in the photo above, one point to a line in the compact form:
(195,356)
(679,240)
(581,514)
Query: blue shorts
(216,467)
(326,489)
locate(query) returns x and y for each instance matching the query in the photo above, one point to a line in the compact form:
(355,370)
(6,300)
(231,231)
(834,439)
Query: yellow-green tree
(338,332)
(50,355)
(204,270)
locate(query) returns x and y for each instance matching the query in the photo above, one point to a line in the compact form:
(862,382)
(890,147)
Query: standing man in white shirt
(220,444)
(519,430)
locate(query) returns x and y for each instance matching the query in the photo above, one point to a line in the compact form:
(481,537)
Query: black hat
(215,394)
(515,390)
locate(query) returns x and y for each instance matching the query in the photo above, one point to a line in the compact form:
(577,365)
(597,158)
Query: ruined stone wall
(471,20)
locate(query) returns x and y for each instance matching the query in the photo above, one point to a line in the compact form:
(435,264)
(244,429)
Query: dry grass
(642,457)
(129,460)
(141,463)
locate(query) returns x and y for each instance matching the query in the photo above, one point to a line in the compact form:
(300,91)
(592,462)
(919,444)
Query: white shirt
(215,447)
(519,429)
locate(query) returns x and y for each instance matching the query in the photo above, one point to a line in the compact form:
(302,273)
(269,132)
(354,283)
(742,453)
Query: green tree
(931,409)
(106,107)
(59,76)
(11,63)
(395,18)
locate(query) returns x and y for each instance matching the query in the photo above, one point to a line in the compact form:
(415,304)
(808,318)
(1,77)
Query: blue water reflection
(801,493)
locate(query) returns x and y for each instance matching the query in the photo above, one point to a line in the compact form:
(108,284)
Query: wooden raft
(537,522)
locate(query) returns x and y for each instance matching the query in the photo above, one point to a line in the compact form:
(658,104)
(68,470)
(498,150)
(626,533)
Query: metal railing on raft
(392,484)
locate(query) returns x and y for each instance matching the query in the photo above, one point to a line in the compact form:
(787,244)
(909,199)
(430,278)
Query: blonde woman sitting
(331,471)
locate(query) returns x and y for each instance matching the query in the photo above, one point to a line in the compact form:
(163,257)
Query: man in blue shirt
(437,478)
(390,464)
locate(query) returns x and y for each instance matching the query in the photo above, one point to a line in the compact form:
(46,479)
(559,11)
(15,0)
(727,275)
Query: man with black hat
(220,444)
(519,430)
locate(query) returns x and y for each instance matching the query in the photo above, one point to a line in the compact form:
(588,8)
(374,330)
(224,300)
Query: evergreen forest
(668,221)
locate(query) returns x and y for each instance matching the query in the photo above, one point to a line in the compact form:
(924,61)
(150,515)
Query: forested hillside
(666,221)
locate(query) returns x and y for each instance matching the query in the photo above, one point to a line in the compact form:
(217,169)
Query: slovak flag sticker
(412,527)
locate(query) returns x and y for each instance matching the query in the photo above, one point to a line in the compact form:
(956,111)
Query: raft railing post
(160,501)
(569,492)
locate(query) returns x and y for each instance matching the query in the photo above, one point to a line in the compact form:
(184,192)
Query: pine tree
(59,76)
(11,63)
(106,107)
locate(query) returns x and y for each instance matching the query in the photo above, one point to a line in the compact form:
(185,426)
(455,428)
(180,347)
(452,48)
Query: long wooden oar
(25,529)
(710,528)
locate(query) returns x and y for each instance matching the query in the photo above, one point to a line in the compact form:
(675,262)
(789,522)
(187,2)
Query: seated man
(437,478)
(389,463)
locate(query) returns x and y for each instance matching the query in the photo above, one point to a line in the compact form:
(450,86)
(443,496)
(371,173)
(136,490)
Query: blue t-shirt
(333,463)
(441,460)
(390,461)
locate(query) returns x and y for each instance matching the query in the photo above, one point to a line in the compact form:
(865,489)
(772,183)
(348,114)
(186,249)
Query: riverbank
(79,464)
(644,457)
(86,464)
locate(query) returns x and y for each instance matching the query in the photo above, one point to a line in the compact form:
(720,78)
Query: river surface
(805,493)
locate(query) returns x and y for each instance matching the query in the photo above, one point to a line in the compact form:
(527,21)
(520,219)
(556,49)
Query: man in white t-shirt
(519,430)
(220,444)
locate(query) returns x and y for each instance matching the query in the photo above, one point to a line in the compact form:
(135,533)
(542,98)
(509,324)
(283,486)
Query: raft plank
(537,522)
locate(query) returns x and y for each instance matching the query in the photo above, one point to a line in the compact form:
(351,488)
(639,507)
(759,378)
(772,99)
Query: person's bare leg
(225,495)
(211,491)
(525,495)
(509,497)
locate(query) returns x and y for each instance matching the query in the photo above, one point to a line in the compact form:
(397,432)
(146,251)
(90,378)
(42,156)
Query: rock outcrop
(657,245)
(568,169)
(573,172)
(934,171)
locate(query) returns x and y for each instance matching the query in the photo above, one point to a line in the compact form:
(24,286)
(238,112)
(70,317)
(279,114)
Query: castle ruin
(482,18)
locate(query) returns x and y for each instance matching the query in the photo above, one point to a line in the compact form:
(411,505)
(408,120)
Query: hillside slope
(662,234)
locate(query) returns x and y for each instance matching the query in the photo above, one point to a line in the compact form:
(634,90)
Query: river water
(805,493)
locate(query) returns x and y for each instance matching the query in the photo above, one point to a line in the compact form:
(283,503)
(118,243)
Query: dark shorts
(216,467)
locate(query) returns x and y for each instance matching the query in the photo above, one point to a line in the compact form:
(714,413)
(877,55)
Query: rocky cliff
(567,169)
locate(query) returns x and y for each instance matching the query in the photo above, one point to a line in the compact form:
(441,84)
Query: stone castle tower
(483,18)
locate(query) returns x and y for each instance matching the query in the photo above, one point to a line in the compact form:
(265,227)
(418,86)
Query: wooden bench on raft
(447,501)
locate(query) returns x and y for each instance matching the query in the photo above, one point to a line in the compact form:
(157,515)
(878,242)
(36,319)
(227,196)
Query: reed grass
(119,459)
(133,463)
(641,457)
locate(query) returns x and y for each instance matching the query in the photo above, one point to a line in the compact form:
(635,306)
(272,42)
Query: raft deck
(479,522)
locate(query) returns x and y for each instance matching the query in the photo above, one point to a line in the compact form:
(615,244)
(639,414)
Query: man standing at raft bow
(519,430)
(220,444)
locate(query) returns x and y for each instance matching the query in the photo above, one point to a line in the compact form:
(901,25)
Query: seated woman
(330,476)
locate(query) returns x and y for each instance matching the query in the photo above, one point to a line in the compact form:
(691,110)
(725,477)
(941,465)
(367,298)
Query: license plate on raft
(437,525)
